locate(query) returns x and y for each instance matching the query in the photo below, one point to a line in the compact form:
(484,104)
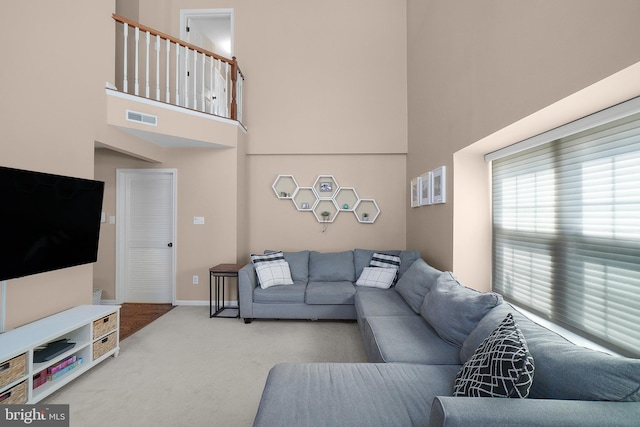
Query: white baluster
(136,86)
(202,91)
(186,82)
(226,94)
(157,68)
(212,94)
(177,74)
(167,96)
(239,97)
(125,82)
(146,83)
(194,80)
(216,90)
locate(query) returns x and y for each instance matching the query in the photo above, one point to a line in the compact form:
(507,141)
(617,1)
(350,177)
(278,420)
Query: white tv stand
(94,329)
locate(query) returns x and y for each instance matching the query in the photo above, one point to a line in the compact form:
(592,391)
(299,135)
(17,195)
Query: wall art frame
(439,185)
(414,189)
(425,189)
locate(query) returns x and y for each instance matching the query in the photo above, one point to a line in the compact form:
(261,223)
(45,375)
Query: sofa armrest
(247,282)
(484,411)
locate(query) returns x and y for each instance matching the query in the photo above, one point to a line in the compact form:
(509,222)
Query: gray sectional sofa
(323,285)
(418,335)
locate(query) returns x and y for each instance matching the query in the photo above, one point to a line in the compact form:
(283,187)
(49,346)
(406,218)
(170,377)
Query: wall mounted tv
(47,222)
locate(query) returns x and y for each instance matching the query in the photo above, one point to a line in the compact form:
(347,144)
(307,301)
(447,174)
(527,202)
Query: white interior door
(146,235)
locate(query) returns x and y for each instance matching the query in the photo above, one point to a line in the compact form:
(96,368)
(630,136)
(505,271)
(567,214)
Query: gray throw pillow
(414,284)
(454,310)
(331,266)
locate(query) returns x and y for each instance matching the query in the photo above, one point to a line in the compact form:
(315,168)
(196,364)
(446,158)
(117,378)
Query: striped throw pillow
(386,261)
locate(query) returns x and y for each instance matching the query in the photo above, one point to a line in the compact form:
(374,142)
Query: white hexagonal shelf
(285,186)
(325,186)
(305,199)
(346,199)
(327,206)
(367,211)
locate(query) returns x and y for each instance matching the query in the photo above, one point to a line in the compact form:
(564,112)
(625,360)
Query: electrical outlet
(195,280)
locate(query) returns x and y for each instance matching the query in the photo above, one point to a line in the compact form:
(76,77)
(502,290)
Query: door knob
(170,245)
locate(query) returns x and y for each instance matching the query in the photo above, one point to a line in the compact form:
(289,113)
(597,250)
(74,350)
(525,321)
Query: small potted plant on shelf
(365,216)
(325,215)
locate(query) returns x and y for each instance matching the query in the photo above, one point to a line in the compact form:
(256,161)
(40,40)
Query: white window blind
(566,231)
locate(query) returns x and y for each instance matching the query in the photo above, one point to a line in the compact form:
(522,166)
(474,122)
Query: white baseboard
(228,304)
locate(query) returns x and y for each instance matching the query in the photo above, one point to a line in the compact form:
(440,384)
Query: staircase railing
(158,66)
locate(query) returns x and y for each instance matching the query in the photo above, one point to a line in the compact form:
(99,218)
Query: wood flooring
(135,316)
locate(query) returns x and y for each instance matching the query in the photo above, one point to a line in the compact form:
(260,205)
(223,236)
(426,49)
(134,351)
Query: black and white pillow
(500,367)
(377,277)
(386,261)
(272,269)
(268,257)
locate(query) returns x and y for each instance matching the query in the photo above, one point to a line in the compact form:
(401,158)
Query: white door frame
(186,14)
(186,84)
(121,291)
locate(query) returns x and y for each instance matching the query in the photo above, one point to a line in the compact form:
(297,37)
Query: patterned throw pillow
(272,269)
(377,277)
(273,273)
(500,367)
(268,257)
(386,261)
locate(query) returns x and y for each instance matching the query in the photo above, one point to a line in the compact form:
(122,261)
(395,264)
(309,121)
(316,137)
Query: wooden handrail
(172,39)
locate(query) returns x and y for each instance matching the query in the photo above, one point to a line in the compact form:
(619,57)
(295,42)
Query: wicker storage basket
(13,369)
(16,395)
(105,325)
(103,345)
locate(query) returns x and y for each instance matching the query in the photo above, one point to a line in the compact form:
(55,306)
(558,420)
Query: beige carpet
(186,369)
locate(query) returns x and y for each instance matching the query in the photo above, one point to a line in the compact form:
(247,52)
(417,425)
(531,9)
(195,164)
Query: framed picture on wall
(425,189)
(415,192)
(326,187)
(439,185)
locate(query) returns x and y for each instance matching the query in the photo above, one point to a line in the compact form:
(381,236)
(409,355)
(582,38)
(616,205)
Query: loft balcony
(172,93)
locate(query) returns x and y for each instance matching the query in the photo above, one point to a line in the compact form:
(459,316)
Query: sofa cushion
(455,310)
(379,302)
(407,258)
(414,284)
(563,369)
(330,293)
(331,267)
(352,394)
(406,339)
(285,294)
(298,264)
(377,277)
(500,367)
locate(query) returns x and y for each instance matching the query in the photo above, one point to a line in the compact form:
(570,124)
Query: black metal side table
(220,272)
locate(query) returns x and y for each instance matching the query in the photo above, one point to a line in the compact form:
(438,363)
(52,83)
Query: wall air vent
(148,119)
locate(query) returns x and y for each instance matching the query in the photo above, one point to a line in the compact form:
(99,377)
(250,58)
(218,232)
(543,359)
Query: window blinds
(566,231)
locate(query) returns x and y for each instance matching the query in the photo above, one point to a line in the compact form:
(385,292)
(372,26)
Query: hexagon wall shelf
(326,196)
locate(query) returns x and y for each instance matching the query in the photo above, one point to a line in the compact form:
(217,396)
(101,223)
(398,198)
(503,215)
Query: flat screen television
(47,222)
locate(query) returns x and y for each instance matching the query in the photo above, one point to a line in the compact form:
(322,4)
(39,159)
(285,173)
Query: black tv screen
(47,222)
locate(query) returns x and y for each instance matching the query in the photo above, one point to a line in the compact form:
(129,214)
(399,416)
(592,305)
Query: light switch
(198,220)
(103,217)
